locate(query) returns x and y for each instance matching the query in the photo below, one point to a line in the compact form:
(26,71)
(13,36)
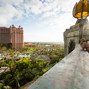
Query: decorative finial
(13,25)
(81,9)
(19,26)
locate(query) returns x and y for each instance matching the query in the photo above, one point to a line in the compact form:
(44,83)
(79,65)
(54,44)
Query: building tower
(12,37)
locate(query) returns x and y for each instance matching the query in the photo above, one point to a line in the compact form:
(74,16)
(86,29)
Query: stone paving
(71,73)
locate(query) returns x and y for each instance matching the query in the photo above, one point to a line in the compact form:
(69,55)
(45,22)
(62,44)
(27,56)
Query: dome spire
(81,9)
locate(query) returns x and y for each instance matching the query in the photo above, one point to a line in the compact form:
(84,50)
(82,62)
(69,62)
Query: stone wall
(72,34)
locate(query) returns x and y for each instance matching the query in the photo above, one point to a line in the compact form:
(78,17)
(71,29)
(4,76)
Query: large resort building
(12,37)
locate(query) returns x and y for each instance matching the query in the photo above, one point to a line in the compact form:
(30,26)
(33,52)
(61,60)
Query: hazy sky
(42,20)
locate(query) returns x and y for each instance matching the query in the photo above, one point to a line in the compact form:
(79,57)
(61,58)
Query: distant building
(12,37)
(30,45)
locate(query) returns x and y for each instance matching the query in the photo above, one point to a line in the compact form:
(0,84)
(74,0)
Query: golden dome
(81,9)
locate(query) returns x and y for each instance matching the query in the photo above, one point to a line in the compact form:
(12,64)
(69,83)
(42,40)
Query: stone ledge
(71,73)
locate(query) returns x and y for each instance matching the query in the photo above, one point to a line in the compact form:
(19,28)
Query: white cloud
(58,17)
(56,14)
(33,6)
(6,14)
(12,8)
(8,11)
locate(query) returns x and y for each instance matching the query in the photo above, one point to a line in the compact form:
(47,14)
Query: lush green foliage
(23,70)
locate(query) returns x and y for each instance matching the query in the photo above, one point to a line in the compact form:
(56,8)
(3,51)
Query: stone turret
(71,35)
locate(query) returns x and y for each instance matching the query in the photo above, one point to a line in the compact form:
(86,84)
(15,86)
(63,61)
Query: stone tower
(71,35)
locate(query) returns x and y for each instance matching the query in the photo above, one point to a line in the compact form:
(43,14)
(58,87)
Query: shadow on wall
(9,45)
(71,46)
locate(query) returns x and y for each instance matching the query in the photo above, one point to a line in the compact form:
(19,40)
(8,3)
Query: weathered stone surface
(71,73)
(72,34)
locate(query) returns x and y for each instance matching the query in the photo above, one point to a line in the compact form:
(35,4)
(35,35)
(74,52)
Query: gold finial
(81,9)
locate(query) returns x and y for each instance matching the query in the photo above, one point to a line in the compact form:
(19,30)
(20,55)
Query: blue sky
(42,20)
